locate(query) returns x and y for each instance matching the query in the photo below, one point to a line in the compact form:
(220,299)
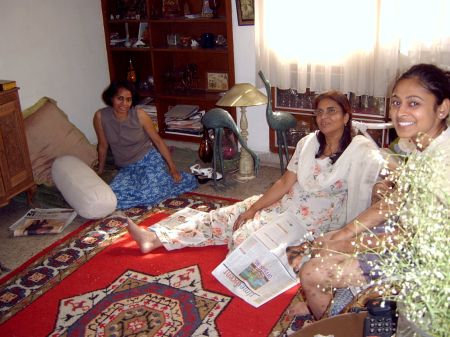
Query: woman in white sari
(328,182)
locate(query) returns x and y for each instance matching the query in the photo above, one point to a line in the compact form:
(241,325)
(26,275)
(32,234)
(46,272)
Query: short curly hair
(114,88)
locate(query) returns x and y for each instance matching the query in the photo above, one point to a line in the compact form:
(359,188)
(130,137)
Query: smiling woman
(147,172)
(420,113)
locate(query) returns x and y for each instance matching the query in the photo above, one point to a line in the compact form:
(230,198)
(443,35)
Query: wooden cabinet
(170,71)
(16,175)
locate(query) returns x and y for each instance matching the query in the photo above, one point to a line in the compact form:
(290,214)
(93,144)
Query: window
(349,45)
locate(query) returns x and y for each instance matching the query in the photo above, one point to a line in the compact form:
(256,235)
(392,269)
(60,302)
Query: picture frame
(171,8)
(245,12)
(216,81)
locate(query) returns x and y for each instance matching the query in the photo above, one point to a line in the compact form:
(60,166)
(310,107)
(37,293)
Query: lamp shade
(243,94)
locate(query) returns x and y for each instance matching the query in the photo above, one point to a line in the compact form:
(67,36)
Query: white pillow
(82,188)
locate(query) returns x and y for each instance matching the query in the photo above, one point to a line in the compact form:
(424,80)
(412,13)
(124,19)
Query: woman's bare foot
(298,309)
(146,240)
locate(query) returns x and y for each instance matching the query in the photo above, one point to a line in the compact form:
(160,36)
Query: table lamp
(243,95)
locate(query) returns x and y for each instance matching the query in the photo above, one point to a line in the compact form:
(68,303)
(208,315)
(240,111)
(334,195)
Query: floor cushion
(82,188)
(50,134)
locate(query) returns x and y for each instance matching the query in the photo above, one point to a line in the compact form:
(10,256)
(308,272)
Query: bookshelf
(166,69)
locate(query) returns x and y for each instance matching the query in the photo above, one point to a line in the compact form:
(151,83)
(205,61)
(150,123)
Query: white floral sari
(324,198)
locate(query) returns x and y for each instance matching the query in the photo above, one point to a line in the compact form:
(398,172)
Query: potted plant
(415,262)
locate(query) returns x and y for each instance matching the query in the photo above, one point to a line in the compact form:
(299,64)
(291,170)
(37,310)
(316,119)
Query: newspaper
(258,269)
(43,221)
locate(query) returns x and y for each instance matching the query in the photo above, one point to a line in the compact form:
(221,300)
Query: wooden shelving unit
(164,63)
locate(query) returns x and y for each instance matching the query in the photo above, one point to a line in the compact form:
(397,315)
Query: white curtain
(349,45)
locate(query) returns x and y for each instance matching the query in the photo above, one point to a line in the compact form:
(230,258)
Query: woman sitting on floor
(420,105)
(328,181)
(147,175)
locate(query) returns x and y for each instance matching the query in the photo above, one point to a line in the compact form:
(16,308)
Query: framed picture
(171,8)
(216,81)
(246,12)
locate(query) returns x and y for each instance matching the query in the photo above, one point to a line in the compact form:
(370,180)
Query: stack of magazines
(184,119)
(150,109)
(43,221)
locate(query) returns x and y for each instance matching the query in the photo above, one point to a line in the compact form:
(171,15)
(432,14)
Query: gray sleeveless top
(128,140)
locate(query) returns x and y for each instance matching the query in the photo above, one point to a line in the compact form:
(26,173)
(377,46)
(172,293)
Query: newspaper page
(43,221)
(258,269)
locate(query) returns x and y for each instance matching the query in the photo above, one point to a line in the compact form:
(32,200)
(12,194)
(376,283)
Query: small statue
(281,122)
(218,119)
(206,10)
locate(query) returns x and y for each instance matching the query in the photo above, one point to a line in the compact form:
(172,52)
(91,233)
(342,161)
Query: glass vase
(205,150)
(229,145)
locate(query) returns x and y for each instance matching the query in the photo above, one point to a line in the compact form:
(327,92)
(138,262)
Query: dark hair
(432,78)
(114,88)
(347,135)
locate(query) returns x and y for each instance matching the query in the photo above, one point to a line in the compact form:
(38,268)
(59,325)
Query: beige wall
(56,48)
(244,63)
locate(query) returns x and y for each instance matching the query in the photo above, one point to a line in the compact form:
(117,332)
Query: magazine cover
(39,221)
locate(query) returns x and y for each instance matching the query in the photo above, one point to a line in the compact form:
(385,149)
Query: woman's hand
(176,176)
(242,218)
(318,246)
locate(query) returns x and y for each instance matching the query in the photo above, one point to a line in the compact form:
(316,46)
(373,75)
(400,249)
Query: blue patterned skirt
(148,182)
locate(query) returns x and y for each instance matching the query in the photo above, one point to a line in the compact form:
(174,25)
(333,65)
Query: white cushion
(82,188)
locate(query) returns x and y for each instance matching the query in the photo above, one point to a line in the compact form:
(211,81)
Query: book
(183,133)
(39,221)
(182,111)
(7,85)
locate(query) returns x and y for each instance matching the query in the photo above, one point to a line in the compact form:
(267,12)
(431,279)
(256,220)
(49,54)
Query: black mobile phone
(381,320)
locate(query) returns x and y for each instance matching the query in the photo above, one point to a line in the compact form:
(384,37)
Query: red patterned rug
(95,282)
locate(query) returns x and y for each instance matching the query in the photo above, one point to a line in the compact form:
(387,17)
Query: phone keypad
(379,326)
